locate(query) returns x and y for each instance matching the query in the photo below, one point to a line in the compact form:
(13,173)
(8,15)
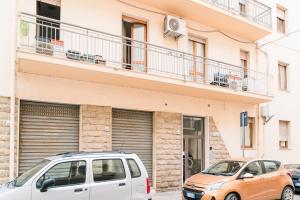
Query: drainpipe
(12,90)
(261,125)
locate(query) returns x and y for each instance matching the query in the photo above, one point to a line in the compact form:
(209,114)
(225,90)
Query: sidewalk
(166,195)
(177,196)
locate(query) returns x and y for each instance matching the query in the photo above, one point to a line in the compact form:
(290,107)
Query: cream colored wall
(286,104)
(225,113)
(5,47)
(104,16)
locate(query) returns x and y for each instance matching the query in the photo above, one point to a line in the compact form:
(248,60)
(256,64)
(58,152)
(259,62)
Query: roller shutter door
(132,132)
(46,129)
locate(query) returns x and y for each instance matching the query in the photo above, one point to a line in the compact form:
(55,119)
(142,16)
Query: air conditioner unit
(174,27)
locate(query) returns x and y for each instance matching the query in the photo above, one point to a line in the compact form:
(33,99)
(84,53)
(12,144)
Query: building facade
(164,79)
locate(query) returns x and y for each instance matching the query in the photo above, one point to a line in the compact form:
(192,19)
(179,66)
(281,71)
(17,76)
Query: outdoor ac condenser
(174,26)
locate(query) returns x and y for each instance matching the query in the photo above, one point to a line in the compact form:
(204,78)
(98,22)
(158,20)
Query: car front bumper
(202,195)
(296,182)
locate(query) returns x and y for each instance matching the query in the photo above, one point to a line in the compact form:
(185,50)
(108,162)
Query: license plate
(297,184)
(190,195)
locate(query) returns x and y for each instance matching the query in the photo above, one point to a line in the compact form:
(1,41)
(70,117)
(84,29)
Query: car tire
(232,196)
(287,193)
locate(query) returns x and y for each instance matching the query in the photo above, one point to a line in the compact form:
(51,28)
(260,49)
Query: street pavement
(177,196)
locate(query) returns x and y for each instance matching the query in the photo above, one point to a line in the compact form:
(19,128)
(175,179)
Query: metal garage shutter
(46,129)
(132,132)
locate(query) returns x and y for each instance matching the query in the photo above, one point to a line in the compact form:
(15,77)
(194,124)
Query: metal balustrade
(62,40)
(249,9)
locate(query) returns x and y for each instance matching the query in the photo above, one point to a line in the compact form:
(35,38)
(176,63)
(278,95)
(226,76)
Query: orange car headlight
(215,186)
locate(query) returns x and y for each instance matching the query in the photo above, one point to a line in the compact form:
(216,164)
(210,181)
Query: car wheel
(232,196)
(287,193)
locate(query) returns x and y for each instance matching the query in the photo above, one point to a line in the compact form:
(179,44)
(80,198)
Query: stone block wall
(168,150)
(96,128)
(218,150)
(5,136)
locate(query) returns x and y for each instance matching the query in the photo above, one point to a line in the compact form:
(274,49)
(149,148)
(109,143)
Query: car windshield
(22,179)
(225,168)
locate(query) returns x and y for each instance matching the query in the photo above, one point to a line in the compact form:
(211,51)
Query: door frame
(134,21)
(203,139)
(194,40)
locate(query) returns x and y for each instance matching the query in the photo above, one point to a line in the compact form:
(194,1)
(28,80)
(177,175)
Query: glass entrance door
(193,146)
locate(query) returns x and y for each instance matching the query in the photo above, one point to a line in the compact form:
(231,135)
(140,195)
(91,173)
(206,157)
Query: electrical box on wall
(174,26)
(265,111)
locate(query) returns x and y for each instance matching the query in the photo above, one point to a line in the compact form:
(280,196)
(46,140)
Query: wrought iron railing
(62,40)
(249,9)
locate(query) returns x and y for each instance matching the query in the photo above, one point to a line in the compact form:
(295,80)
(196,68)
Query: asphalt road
(297,196)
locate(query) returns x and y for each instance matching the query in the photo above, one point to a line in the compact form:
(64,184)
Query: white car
(82,176)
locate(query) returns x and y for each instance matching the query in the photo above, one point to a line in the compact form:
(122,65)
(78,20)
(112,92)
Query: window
(281,22)
(48,30)
(134,168)
(253,168)
(197,61)
(66,173)
(282,76)
(108,169)
(271,166)
(225,168)
(21,180)
(283,134)
(134,47)
(249,133)
(242,8)
(244,59)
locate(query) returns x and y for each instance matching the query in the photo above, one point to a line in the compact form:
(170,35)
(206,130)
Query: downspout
(12,91)
(261,125)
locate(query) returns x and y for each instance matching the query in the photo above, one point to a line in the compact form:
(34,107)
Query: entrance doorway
(193,146)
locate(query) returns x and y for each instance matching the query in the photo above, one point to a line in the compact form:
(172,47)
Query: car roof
(89,154)
(250,159)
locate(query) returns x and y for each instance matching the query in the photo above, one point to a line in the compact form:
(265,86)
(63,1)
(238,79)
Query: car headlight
(215,186)
(185,182)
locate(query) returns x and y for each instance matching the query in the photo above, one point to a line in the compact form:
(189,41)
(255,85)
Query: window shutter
(281,13)
(283,131)
(52,2)
(244,55)
(197,39)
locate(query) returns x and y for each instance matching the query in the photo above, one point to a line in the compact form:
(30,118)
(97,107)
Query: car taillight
(148,185)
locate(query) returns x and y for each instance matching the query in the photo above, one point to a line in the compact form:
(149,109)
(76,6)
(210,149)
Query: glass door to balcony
(47,30)
(193,146)
(134,48)
(196,61)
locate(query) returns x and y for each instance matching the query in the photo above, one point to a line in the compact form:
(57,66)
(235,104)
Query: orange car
(241,179)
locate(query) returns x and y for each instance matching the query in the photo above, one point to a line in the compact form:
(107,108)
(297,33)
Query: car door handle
(122,184)
(78,190)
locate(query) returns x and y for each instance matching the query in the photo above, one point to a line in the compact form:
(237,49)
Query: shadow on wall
(217,148)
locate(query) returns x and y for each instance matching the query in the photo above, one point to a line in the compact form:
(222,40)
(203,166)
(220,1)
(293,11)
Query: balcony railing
(62,40)
(249,9)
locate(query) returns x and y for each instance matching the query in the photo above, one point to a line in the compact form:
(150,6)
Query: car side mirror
(46,184)
(247,176)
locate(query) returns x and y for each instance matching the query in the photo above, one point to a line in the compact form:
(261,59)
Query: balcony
(248,9)
(248,19)
(54,48)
